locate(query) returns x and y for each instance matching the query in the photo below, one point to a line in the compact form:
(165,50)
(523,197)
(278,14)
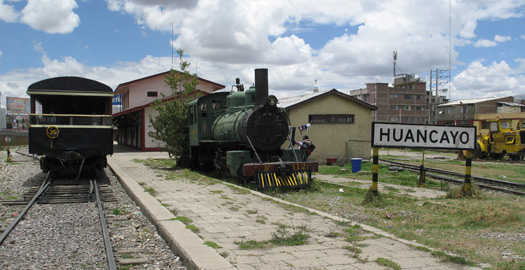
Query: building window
(408,96)
(420,108)
(450,111)
(394,107)
(152,94)
(393,95)
(394,119)
(408,107)
(418,97)
(331,119)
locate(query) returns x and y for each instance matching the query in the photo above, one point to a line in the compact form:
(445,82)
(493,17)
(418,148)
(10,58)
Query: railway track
(50,192)
(458,178)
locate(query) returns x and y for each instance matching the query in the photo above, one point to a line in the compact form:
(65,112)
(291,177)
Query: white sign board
(423,136)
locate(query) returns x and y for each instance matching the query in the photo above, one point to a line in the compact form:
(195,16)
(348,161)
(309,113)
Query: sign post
(395,135)
(8,140)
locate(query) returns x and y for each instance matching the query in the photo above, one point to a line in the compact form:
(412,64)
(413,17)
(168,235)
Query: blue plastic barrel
(356,164)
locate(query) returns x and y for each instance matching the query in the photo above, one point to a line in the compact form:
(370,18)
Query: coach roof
(79,85)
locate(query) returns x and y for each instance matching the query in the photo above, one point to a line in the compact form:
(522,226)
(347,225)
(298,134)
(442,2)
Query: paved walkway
(226,216)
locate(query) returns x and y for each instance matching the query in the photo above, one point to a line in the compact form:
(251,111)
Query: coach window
(153,94)
(331,119)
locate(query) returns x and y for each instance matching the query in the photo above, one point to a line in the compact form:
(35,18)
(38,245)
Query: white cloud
(51,16)
(8,13)
(485,43)
(499,38)
(229,38)
(490,43)
(15,83)
(496,79)
(0,53)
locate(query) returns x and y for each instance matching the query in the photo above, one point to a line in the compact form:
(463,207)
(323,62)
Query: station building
(138,96)
(340,125)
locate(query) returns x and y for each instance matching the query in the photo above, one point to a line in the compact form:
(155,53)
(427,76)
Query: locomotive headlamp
(271,100)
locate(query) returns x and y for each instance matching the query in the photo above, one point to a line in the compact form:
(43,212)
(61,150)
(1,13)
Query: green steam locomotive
(242,132)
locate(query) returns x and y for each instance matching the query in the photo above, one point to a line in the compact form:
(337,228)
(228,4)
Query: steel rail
(487,181)
(107,241)
(41,190)
(476,178)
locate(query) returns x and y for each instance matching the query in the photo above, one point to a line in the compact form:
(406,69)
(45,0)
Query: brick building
(404,102)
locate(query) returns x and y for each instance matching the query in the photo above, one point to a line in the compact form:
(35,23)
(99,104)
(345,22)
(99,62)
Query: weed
(388,263)
(235,208)
(251,244)
(193,228)
(283,237)
(151,191)
(354,250)
(251,211)
(184,220)
(212,244)
(261,219)
(452,258)
(118,211)
(372,198)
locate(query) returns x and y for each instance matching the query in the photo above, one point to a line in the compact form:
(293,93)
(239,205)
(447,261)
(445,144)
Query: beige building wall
(335,140)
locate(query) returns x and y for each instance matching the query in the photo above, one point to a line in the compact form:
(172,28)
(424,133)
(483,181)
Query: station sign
(423,136)
(117,100)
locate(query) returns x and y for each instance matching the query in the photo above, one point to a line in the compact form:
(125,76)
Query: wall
(335,140)
(149,142)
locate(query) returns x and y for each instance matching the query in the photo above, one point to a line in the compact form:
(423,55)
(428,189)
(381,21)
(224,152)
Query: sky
(341,44)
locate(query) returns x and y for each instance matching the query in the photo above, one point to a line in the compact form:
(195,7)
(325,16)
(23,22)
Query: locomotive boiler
(242,133)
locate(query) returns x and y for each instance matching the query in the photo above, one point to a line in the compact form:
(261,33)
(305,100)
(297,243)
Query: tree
(171,123)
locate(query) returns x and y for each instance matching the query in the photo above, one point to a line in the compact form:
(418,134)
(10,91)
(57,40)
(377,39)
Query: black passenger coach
(70,124)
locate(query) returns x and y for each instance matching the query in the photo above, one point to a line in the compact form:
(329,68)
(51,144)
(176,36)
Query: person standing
(306,147)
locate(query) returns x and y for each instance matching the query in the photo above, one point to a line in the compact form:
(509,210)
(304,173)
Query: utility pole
(430,107)
(440,79)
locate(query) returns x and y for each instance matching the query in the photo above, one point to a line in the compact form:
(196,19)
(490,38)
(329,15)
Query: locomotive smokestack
(261,86)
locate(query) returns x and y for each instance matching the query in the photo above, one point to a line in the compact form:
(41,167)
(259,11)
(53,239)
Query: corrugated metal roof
(512,104)
(290,101)
(469,101)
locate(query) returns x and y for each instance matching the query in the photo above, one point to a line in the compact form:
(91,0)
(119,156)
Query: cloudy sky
(342,44)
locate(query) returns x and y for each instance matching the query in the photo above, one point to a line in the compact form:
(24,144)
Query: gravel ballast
(68,236)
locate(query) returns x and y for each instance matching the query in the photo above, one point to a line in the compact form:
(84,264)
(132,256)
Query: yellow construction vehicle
(501,139)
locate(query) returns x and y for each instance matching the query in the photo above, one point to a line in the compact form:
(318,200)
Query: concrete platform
(227,215)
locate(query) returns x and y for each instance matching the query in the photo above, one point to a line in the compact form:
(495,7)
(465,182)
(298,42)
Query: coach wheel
(52,132)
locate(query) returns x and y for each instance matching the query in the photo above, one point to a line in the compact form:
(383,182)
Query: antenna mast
(171,45)
(395,61)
